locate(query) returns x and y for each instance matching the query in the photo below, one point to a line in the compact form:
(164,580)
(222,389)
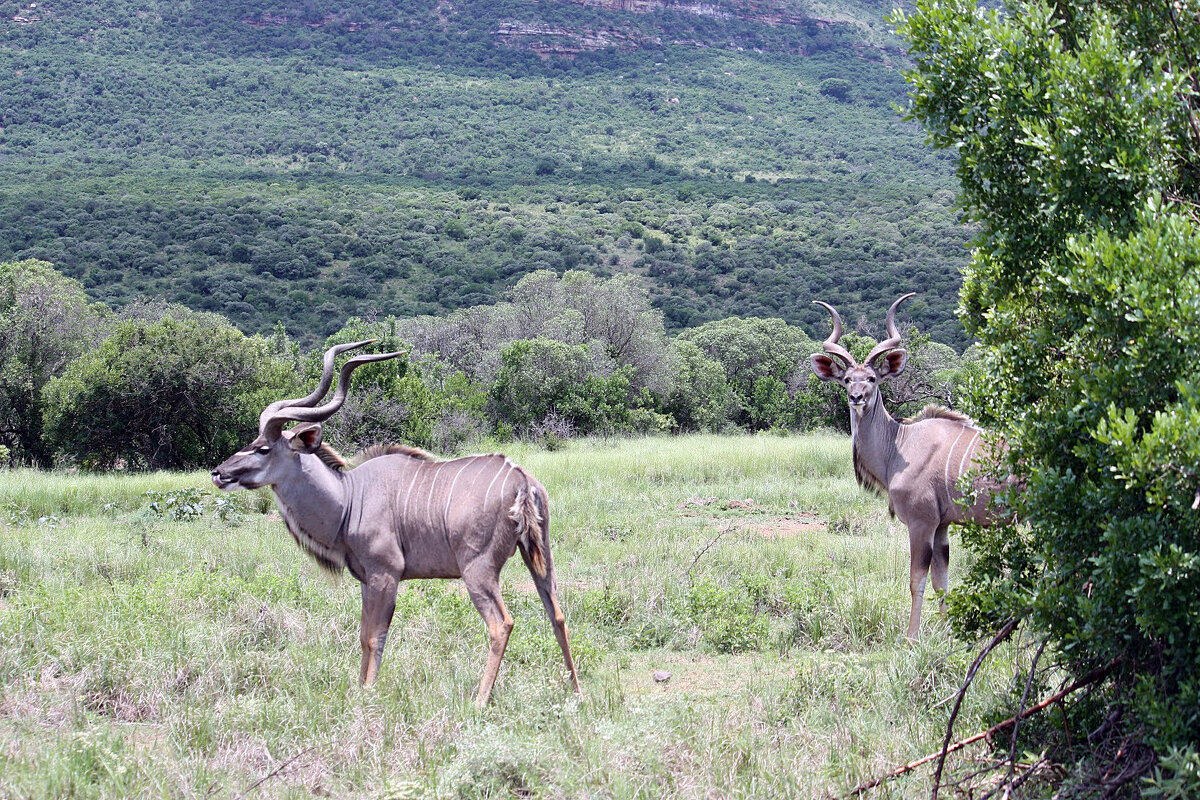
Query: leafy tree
(179,392)
(45,321)
(543,377)
(751,350)
(700,399)
(419,401)
(1075,129)
(837,88)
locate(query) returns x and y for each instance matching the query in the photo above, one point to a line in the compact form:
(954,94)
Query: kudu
(915,462)
(401,514)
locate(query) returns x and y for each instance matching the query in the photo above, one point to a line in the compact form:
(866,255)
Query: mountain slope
(309,162)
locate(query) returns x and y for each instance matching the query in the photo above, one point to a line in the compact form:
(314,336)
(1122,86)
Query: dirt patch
(726,505)
(527,587)
(802,524)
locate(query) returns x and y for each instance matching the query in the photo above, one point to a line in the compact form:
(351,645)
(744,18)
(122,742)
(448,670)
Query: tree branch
(1086,680)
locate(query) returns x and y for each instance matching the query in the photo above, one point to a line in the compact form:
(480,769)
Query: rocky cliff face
(557,40)
(766,12)
(620,24)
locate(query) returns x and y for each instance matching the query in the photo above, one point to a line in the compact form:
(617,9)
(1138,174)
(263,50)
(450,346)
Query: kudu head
(276,452)
(862,381)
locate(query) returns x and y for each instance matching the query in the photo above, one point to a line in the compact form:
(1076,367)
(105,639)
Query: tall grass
(144,655)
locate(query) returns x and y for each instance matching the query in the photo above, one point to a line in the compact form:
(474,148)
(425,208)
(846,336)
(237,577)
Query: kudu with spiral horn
(916,462)
(401,514)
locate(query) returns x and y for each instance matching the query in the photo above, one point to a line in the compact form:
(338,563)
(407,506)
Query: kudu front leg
(920,557)
(378,606)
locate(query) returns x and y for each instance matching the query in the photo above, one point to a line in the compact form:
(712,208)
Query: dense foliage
(313,162)
(161,386)
(169,393)
(45,322)
(1076,130)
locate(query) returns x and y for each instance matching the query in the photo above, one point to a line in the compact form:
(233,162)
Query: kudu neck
(313,500)
(874,439)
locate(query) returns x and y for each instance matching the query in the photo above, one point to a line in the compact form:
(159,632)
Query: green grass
(146,656)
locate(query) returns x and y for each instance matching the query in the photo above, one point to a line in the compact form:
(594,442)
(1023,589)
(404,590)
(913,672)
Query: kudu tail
(527,513)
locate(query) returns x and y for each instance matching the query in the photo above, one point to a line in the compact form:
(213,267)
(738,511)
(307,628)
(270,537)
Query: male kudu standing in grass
(915,462)
(401,514)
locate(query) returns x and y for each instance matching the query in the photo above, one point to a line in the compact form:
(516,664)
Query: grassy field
(152,646)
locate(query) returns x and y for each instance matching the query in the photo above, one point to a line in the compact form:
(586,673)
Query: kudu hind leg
(920,558)
(548,591)
(940,568)
(483,585)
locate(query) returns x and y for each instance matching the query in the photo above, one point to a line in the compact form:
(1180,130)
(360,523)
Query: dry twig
(1086,680)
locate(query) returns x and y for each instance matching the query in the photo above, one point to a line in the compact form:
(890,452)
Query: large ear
(305,437)
(891,363)
(827,369)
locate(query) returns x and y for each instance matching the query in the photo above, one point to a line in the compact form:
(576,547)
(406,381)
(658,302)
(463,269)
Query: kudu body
(916,463)
(401,514)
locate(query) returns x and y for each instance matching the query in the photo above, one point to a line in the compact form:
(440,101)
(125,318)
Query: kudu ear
(305,437)
(891,363)
(827,369)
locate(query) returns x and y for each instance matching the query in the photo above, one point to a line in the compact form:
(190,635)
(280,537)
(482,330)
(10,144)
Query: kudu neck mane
(335,460)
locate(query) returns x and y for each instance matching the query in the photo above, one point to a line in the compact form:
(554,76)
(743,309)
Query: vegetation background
(310,162)
(582,218)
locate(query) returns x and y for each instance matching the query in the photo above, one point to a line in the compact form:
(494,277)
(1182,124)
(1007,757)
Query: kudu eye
(266,448)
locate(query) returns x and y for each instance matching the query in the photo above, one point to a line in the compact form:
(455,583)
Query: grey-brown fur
(401,514)
(916,462)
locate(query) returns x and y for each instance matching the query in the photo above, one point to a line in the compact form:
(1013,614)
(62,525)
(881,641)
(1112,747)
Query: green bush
(179,392)
(1076,156)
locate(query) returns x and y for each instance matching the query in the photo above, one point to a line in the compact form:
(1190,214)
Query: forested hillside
(315,161)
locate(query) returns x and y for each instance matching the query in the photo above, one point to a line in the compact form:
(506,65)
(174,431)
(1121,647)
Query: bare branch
(1086,680)
(1003,634)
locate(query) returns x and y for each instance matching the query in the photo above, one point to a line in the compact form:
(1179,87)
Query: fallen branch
(1000,636)
(275,771)
(1086,680)
(726,529)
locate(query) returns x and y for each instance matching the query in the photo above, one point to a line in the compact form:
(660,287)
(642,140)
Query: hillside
(309,162)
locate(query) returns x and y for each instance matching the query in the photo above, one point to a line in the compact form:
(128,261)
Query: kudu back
(917,463)
(401,514)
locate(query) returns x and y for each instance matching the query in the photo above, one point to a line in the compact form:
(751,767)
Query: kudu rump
(916,462)
(401,514)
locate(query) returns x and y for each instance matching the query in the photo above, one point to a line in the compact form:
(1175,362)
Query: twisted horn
(831,344)
(319,392)
(893,339)
(274,424)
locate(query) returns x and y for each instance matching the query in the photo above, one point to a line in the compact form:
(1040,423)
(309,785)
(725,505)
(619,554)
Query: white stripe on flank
(504,483)
(408,494)
(488,493)
(429,500)
(450,493)
(962,464)
(950,455)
